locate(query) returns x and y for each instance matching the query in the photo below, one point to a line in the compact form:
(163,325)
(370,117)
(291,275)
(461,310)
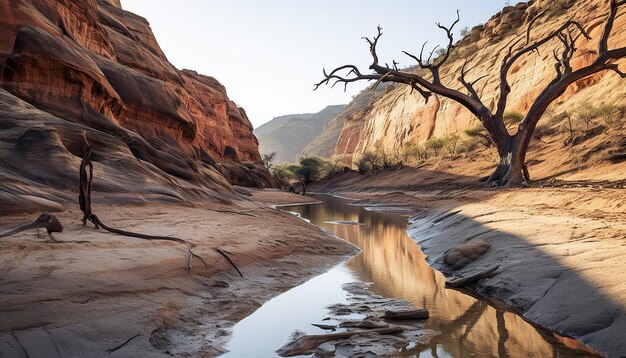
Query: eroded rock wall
(398,115)
(70,67)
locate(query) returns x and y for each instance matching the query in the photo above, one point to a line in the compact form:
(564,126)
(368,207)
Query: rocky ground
(559,248)
(97,293)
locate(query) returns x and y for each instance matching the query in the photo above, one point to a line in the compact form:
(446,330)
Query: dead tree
(511,148)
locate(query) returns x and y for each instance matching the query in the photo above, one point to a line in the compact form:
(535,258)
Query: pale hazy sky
(269,53)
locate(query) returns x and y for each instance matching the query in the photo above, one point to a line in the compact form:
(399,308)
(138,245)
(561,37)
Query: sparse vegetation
(480,133)
(307,170)
(451,143)
(435,145)
(268,160)
(414,151)
(512,118)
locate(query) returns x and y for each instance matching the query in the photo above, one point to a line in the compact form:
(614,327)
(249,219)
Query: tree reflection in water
(397,268)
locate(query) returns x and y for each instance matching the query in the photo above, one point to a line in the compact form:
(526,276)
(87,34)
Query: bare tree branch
(512,57)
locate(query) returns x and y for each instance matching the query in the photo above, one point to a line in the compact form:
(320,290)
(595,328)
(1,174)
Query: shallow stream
(396,268)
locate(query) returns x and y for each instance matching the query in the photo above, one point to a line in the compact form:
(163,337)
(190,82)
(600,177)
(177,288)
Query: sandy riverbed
(91,293)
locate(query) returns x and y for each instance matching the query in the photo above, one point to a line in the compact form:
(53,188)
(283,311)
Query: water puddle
(396,268)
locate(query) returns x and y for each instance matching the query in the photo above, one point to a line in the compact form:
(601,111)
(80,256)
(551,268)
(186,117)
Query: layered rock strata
(70,67)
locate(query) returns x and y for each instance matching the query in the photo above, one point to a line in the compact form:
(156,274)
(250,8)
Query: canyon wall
(74,67)
(397,115)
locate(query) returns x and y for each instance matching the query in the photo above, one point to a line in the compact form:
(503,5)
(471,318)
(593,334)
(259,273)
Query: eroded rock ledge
(68,67)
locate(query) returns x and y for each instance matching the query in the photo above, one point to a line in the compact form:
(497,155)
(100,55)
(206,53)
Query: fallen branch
(123,344)
(84,198)
(223,253)
(307,344)
(464,281)
(44,221)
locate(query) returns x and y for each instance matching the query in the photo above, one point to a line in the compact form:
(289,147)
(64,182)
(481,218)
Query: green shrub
(469,145)
(414,151)
(435,145)
(369,161)
(480,132)
(512,118)
(451,143)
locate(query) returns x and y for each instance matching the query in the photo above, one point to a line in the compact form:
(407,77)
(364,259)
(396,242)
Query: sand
(95,291)
(560,248)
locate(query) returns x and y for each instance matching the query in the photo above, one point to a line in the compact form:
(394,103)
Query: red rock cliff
(74,66)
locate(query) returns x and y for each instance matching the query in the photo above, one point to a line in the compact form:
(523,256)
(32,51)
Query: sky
(270,53)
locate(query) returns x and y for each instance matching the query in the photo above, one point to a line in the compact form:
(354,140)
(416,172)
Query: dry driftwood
(44,221)
(464,281)
(309,343)
(84,198)
(406,315)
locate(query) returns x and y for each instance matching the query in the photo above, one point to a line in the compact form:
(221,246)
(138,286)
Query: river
(396,267)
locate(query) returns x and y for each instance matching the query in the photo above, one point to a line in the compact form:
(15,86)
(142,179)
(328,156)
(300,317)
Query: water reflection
(397,268)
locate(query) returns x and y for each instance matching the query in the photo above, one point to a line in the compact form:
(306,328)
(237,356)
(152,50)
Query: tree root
(96,221)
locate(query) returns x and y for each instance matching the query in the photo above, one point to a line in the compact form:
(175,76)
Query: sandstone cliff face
(397,116)
(71,66)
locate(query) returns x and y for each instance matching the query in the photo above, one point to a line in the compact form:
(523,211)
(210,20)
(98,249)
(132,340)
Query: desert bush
(451,143)
(284,172)
(480,132)
(435,145)
(587,115)
(469,145)
(611,114)
(334,166)
(362,165)
(512,118)
(415,151)
(370,160)
(387,158)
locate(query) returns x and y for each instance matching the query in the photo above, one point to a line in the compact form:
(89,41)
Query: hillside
(288,135)
(396,116)
(324,144)
(74,67)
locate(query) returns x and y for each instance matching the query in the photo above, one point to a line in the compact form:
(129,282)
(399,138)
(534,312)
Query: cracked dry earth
(99,294)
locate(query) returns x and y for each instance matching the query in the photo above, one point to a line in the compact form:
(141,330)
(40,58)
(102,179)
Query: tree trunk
(517,171)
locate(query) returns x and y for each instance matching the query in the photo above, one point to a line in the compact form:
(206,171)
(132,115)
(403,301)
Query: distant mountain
(325,143)
(288,135)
